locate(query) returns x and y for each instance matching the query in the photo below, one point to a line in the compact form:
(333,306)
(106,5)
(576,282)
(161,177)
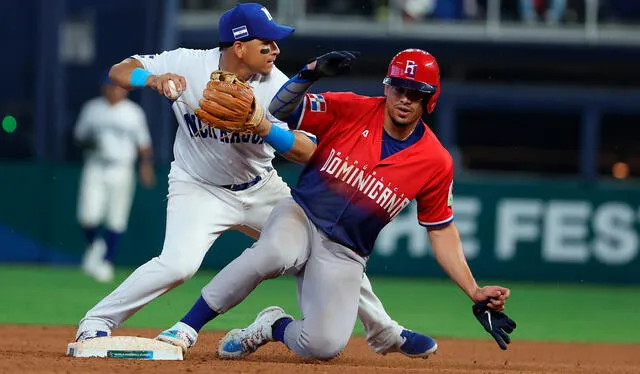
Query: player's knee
(269,265)
(273,260)
(180,270)
(325,347)
(183,271)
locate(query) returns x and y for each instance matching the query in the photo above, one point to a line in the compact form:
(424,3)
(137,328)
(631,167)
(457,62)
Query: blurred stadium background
(540,113)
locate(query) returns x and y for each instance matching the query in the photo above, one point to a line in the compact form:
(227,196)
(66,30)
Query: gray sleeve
(290,95)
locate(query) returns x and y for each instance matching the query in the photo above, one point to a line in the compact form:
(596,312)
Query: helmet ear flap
(430,105)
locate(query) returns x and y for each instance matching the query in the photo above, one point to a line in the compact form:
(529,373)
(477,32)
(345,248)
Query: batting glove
(330,65)
(495,323)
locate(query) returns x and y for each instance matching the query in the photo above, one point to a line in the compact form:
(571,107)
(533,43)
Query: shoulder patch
(317,103)
(450,200)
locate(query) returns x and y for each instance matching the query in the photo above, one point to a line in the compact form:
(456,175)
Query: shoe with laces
(239,343)
(417,345)
(180,335)
(90,334)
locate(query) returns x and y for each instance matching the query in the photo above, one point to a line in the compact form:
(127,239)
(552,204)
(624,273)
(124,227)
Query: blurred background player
(112,131)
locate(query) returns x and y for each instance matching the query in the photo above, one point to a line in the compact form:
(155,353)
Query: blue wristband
(280,139)
(139,77)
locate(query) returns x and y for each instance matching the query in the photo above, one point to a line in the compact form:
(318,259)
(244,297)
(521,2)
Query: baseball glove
(228,104)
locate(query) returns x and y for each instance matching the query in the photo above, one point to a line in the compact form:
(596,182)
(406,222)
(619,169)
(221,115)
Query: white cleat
(94,264)
(180,335)
(239,343)
(90,334)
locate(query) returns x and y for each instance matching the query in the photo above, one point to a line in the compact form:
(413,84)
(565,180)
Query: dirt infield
(37,349)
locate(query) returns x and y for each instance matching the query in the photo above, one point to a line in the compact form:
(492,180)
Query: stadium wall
(524,229)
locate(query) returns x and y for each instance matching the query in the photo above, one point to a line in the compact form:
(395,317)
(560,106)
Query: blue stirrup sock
(111,238)
(199,315)
(90,233)
(278,328)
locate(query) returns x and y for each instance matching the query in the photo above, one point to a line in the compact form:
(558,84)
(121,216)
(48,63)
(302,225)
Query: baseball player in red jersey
(374,155)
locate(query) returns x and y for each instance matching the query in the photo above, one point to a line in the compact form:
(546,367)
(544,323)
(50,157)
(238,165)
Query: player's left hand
(228,103)
(329,64)
(497,324)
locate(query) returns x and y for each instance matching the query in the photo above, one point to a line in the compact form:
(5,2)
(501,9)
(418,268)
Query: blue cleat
(417,345)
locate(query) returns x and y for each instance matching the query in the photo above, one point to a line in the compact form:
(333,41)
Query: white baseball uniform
(108,176)
(216,183)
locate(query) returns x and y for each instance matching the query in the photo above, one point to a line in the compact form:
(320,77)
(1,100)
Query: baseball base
(128,347)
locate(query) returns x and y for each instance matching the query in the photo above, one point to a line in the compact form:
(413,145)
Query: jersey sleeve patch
(317,103)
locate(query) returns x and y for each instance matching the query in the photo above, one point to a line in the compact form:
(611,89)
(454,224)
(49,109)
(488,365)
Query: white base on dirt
(129,347)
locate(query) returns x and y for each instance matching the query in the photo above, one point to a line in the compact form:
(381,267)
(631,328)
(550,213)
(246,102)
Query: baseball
(173,92)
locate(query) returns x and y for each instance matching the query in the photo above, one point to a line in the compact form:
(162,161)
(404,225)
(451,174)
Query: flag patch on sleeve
(317,103)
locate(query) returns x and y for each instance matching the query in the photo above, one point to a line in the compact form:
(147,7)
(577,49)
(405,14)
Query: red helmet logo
(410,69)
(417,70)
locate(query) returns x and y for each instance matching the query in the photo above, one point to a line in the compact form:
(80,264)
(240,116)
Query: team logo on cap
(240,32)
(410,69)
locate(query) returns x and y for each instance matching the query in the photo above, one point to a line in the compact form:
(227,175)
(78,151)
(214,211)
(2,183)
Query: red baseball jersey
(348,191)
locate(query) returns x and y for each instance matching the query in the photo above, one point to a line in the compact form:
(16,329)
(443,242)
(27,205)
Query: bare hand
(160,83)
(497,295)
(147,175)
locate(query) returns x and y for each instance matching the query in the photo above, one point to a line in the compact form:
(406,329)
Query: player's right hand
(496,295)
(160,83)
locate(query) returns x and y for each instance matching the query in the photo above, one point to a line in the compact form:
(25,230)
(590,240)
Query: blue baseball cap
(250,20)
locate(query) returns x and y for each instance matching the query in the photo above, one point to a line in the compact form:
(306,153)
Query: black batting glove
(330,64)
(495,323)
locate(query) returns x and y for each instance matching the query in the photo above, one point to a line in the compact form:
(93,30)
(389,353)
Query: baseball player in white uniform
(218,181)
(113,132)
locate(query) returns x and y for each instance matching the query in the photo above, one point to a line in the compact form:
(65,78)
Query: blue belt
(253,182)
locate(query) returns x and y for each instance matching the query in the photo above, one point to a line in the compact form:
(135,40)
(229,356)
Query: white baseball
(173,92)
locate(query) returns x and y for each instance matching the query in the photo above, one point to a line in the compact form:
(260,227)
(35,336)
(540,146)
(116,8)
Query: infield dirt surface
(41,349)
